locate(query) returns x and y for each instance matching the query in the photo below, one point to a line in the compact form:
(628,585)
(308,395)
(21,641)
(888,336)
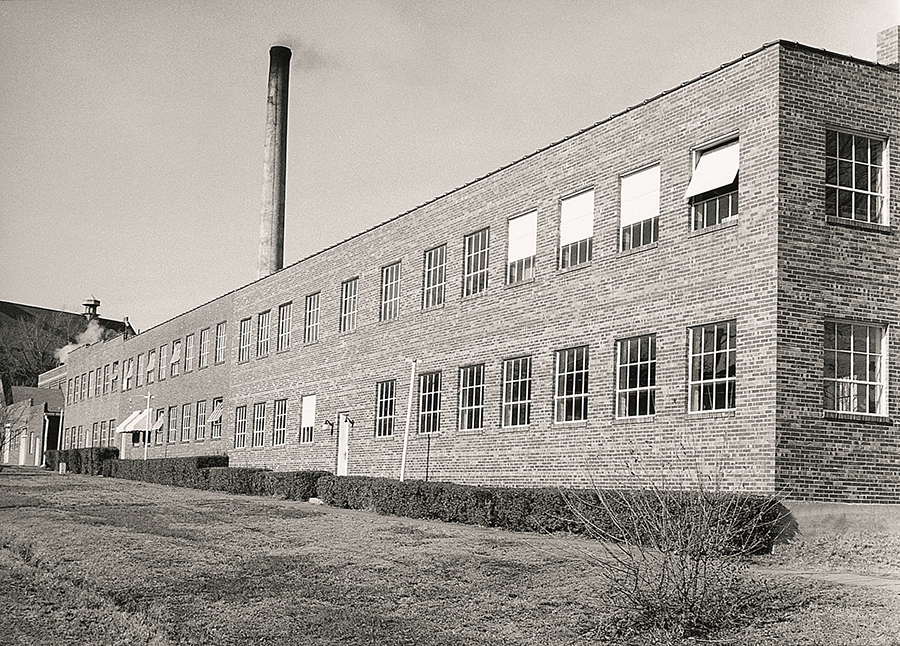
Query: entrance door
(343,443)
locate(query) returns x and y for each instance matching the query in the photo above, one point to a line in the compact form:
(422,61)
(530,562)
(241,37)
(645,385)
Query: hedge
(212,472)
(190,472)
(87,461)
(747,521)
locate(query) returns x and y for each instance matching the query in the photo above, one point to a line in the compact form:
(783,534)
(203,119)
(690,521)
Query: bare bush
(676,559)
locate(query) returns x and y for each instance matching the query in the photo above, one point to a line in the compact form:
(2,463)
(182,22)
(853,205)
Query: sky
(132,133)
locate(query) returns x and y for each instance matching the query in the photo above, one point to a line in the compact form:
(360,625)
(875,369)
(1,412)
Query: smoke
(305,56)
(92,334)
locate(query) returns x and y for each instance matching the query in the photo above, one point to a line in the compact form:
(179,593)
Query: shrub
(676,560)
(180,472)
(292,485)
(237,480)
(87,461)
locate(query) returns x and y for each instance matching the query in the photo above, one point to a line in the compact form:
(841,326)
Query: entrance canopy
(137,421)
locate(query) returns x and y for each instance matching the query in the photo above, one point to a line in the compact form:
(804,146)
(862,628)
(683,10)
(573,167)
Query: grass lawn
(88,560)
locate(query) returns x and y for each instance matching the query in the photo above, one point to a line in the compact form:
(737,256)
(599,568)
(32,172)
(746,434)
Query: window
(189,353)
(77,388)
(280,427)
(311,325)
(259,424)
(90,383)
(163,362)
(176,358)
(203,359)
(215,419)
(104,436)
(220,342)
(70,386)
(517,392)
(390,292)
(853,177)
(158,425)
(435,277)
(385,398)
(572,384)
(172,436)
(429,402)
(240,427)
(106,379)
(97,380)
(95,435)
(636,380)
(126,378)
(713,191)
(854,371)
(200,434)
(475,262)
(139,371)
(471,398)
(151,366)
(284,326)
(262,334)
(115,377)
(640,208)
(522,248)
(713,366)
(576,230)
(349,301)
(186,423)
(307,418)
(244,340)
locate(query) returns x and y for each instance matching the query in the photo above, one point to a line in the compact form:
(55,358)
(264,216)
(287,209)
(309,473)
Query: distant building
(706,282)
(29,425)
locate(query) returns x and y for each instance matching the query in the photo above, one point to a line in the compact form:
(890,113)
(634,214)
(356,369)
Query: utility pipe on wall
(412,383)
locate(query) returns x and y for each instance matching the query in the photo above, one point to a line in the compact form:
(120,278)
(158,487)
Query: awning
(717,168)
(215,416)
(137,421)
(159,423)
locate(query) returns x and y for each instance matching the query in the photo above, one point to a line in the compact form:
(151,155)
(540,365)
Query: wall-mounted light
(349,421)
(328,425)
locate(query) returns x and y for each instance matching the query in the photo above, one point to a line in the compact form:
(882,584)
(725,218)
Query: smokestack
(271,221)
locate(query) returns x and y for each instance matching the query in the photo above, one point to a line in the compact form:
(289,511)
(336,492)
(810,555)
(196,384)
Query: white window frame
(521,247)
(713,189)
(434,280)
(175,361)
(215,421)
(858,364)
(240,427)
(200,433)
(203,358)
(706,365)
(189,352)
(430,403)
(517,392)
(311,321)
(221,342)
(186,425)
(244,339)
(639,193)
(285,314)
(636,376)
(262,333)
(471,397)
(349,304)
(390,292)
(151,367)
(572,385)
(385,407)
(259,425)
(279,422)
(307,419)
(476,261)
(576,229)
(859,193)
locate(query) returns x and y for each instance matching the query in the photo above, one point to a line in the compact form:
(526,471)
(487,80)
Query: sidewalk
(843,578)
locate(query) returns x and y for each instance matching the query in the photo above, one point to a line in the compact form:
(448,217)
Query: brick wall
(831,270)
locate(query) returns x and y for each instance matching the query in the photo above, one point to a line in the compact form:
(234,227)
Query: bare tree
(28,344)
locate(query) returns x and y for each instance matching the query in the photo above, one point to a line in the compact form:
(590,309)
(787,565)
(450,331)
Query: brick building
(705,282)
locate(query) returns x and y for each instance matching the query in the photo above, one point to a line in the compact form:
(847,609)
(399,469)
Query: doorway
(344,426)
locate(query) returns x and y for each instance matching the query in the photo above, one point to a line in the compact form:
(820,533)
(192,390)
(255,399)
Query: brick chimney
(888,52)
